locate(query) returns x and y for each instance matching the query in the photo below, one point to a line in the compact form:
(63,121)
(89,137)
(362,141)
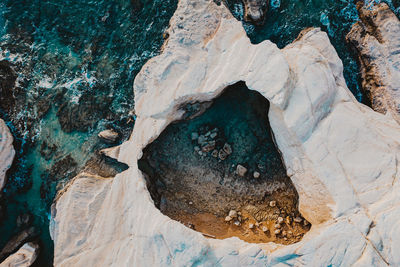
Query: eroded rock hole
(219,172)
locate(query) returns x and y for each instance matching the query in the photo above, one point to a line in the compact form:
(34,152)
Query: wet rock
(376,39)
(17,241)
(63,168)
(103,166)
(109,136)
(202,140)
(7,83)
(256,175)
(222,154)
(24,220)
(24,257)
(47,150)
(213,135)
(85,114)
(255,10)
(241,170)
(194,136)
(208,147)
(215,153)
(227,148)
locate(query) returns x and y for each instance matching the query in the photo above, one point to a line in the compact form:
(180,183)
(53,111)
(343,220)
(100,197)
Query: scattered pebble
(280,220)
(264,229)
(214,153)
(196,148)
(277,226)
(241,170)
(256,175)
(233,214)
(298,219)
(257,224)
(277,231)
(213,135)
(207,134)
(272,203)
(288,220)
(284,233)
(228,218)
(190,203)
(251,226)
(237,223)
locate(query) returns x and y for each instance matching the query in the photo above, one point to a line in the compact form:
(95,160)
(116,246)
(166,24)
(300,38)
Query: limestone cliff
(6,152)
(341,156)
(376,38)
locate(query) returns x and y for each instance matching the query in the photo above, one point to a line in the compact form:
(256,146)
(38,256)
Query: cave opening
(219,172)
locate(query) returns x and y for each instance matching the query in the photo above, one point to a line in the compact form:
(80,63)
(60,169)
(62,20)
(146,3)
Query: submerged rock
(340,155)
(241,170)
(376,38)
(7,152)
(255,10)
(24,257)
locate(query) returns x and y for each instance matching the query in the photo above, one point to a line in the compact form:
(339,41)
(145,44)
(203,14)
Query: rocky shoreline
(343,185)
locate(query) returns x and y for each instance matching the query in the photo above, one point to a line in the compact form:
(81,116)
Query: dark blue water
(76,61)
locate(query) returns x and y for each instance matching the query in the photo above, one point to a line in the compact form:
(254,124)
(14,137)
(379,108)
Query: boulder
(376,39)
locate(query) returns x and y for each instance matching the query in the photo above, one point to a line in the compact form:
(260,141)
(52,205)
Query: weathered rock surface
(376,38)
(24,257)
(255,10)
(341,156)
(7,152)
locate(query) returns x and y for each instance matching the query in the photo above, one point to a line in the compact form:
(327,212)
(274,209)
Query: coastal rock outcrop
(24,257)
(341,156)
(376,38)
(255,10)
(7,152)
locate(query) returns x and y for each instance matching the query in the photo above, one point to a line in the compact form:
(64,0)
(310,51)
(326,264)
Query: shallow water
(74,56)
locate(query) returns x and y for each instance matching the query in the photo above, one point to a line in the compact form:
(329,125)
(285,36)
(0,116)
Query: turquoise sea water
(76,61)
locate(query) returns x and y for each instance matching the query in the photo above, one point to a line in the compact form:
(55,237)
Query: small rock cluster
(212,143)
(278,226)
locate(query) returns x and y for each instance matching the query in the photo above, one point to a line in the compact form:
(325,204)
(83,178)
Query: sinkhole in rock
(218,171)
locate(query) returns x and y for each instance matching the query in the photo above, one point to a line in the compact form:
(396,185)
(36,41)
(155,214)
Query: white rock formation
(341,156)
(7,152)
(24,257)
